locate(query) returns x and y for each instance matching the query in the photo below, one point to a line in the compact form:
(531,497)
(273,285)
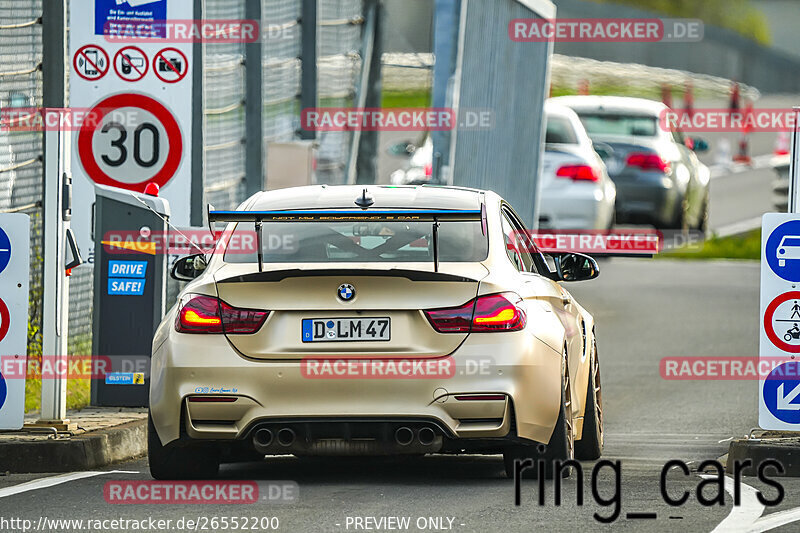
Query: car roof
(611,104)
(385,196)
(558,109)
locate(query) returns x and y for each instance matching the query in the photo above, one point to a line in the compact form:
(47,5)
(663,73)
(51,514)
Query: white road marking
(747,517)
(742,517)
(46,482)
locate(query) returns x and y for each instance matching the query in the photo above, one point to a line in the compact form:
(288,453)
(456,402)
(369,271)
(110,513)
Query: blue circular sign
(782,392)
(3,390)
(783,250)
(5,250)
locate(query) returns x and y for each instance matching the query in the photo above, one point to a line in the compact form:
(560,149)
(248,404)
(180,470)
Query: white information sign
(14,271)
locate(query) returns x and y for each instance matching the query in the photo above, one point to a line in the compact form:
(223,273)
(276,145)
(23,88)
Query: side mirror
(699,145)
(405,149)
(188,268)
(575,267)
(604,150)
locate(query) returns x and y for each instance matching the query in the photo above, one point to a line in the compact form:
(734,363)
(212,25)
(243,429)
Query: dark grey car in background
(659,178)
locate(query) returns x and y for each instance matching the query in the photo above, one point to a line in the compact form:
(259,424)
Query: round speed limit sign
(130,140)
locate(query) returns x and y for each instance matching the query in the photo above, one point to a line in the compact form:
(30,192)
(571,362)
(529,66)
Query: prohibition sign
(131,63)
(88,63)
(770,330)
(161,63)
(5,319)
(94,122)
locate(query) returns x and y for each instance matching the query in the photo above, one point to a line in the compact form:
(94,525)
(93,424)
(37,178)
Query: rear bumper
(518,366)
(653,199)
(591,209)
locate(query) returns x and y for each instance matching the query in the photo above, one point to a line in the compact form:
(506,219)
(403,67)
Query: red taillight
(480,397)
(206,314)
(498,312)
(649,162)
(453,320)
(212,399)
(495,312)
(579,173)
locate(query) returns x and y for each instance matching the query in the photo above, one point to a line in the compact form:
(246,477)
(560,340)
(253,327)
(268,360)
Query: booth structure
(130,231)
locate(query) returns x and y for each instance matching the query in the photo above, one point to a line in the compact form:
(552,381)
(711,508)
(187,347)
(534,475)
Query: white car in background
(575,189)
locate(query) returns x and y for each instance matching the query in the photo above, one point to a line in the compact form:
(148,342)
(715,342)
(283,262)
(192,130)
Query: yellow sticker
(138,378)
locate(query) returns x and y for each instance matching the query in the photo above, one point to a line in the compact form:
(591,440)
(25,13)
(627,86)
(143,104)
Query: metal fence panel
(21,170)
(512,84)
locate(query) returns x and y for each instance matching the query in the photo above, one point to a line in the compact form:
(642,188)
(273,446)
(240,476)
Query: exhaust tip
(286,437)
(263,437)
(403,436)
(426,436)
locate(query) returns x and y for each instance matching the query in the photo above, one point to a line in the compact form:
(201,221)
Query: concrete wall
(721,53)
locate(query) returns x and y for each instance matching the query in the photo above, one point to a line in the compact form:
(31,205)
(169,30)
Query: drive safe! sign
(136,102)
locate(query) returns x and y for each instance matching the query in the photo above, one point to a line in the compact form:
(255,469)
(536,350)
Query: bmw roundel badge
(346,292)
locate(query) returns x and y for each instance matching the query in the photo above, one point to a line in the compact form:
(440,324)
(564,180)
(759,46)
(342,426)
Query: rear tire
(560,448)
(179,462)
(590,447)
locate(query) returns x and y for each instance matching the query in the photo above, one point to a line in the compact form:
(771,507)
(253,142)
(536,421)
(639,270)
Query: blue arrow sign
(782,392)
(5,250)
(3,390)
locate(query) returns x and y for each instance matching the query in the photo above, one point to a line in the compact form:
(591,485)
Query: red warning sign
(170,65)
(131,63)
(782,322)
(5,320)
(91,62)
(130,140)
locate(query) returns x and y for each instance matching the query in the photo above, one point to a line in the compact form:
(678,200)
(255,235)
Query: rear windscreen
(559,131)
(359,242)
(612,124)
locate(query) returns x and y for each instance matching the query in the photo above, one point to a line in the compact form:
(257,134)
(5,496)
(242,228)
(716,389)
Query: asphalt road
(646,310)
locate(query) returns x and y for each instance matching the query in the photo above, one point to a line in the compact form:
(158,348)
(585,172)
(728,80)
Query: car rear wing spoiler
(434,216)
(392,215)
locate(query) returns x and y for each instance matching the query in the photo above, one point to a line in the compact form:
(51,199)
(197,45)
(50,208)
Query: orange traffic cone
(688,99)
(735,94)
(666,95)
(583,88)
(782,144)
(743,155)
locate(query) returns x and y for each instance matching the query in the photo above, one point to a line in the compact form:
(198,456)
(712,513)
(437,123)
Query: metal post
(254,138)
(308,76)
(445,39)
(196,210)
(366,164)
(367,58)
(794,168)
(56,169)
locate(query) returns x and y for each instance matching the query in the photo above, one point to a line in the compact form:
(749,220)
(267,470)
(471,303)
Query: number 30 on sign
(130,140)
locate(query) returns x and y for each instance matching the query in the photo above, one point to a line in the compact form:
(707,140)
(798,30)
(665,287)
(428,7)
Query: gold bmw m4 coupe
(377,321)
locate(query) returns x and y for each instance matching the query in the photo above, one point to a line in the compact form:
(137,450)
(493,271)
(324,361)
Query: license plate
(346,329)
